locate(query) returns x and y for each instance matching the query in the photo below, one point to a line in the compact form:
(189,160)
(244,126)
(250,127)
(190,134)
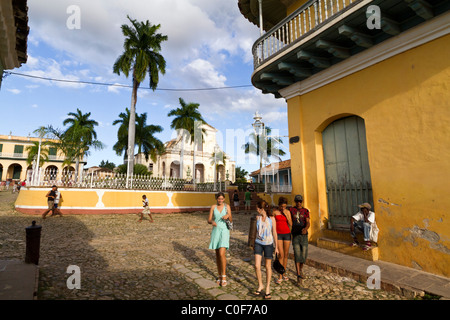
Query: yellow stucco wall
(33,200)
(404,102)
(272,198)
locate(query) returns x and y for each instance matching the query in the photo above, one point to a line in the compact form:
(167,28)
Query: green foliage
(107,165)
(138,169)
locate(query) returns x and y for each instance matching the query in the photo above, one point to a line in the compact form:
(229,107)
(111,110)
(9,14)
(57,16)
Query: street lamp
(259,128)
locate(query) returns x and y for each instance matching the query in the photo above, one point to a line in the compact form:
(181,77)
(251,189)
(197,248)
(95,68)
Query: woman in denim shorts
(266,238)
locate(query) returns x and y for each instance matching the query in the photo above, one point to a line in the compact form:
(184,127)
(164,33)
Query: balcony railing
(296,26)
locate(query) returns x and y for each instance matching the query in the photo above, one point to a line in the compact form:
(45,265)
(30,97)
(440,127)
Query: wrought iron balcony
(322,33)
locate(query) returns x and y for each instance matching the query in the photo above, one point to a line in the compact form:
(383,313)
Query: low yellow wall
(95,201)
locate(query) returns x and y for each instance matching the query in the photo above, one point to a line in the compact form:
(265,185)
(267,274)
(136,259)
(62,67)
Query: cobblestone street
(169,259)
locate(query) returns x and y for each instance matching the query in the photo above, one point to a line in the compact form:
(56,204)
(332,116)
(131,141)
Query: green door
(17,171)
(346,169)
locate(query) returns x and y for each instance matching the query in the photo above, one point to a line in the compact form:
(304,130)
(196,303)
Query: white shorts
(146,210)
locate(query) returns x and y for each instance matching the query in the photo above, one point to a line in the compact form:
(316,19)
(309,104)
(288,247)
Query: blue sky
(209,46)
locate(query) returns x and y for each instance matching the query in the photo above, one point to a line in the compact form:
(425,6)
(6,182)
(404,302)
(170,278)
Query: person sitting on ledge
(363,220)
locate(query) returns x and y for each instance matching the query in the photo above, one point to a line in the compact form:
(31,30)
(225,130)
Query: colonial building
(277,175)
(177,160)
(14,155)
(13,34)
(366,86)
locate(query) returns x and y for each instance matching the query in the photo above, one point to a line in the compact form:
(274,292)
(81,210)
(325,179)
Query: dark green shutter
(346,169)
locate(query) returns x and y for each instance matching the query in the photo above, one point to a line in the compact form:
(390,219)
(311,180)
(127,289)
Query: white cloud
(14,91)
(203,74)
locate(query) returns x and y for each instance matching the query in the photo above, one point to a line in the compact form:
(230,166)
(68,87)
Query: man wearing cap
(363,220)
(300,226)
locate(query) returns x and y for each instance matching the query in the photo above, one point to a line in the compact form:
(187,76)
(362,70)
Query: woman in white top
(266,239)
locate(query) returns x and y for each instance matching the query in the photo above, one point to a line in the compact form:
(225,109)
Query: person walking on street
(284,224)
(300,225)
(220,235)
(56,210)
(248,200)
(266,239)
(146,209)
(51,195)
(236,200)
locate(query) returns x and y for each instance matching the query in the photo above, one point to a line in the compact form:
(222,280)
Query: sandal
(267,296)
(257,293)
(224,281)
(279,281)
(285,278)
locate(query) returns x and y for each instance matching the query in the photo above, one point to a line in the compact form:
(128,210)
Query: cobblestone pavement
(169,259)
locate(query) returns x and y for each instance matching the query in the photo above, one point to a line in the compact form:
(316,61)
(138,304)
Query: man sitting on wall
(364,220)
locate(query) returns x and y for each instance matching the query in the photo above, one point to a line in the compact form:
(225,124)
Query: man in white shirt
(363,220)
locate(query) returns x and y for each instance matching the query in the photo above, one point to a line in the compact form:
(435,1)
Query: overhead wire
(121,85)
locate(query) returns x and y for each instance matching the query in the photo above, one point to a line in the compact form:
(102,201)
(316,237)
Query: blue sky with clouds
(209,46)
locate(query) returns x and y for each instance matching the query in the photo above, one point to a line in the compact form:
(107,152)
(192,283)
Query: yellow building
(367,91)
(13,160)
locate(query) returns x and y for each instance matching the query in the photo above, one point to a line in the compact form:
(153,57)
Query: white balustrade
(295,26)
(108,180)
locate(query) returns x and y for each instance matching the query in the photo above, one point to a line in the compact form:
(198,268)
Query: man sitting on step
(364,220)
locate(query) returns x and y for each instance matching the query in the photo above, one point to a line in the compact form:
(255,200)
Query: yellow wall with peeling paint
(404,102)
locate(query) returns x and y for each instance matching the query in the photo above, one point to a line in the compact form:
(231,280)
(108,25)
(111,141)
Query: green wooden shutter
(18,148)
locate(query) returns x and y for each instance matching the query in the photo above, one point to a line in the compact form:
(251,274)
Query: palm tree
(33,151)
(80,136)
(188,118)
(122,134)
(218,158)
(141,55)
(266,149)
(144,137)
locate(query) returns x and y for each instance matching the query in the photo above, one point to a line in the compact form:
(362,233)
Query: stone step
(346,248)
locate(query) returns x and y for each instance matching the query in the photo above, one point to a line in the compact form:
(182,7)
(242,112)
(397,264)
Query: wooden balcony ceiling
(346,38)
(273,11)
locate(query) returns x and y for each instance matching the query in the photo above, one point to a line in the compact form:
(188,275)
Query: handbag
(278,266)
(228,222)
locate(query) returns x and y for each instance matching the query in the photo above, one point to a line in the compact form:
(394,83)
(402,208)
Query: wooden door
(346,169)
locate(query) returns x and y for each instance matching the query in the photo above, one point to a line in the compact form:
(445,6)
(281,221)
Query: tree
(107,165)
(122,133)
(81,133)
(264,147)
(241,175)
(144,137)
(33,152)
(188,119)
(139,169)
(141,55)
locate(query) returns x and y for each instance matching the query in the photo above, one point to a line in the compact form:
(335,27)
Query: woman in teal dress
(220,235)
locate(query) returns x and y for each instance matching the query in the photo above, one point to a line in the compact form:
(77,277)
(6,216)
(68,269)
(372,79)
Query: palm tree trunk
(132,129)
(193,164)
(181,155)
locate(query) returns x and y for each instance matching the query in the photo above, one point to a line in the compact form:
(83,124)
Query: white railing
(13,155)
(25,155)
(110,180)
(295,26)
(282,188)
